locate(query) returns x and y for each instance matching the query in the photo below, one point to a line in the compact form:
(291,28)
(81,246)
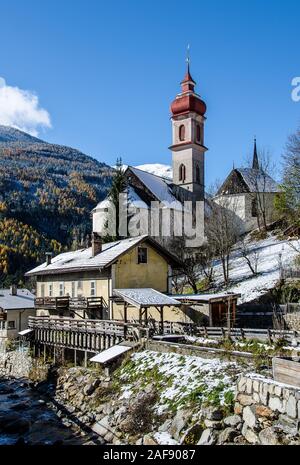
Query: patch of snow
(165,171)
(253,286)
(165,439)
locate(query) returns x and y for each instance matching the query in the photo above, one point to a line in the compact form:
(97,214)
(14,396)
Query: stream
(26,417)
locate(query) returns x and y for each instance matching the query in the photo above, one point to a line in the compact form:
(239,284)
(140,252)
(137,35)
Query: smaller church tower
(187,147)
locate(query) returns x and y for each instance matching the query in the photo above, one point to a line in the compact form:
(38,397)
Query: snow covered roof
(206,297)
(83,259)
(23,299)
(158,186)
(133,200)
(110,354)
(258,181)
(145,297)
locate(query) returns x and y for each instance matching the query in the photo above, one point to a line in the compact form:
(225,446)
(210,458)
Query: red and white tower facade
(188,148)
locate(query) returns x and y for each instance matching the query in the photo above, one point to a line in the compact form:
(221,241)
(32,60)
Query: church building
(249,193)
(188,154)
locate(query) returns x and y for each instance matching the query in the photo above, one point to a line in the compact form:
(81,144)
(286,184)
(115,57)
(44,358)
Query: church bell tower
(188,147)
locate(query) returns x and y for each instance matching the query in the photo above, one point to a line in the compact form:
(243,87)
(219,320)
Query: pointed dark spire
(255,163)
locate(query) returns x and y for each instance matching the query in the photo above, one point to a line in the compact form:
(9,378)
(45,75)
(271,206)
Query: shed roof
(23,299)
(146,297)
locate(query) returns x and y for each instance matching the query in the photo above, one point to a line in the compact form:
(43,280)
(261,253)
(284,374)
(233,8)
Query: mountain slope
(48,188)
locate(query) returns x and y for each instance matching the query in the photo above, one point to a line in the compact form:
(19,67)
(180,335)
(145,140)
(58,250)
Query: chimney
(13,289)
(48,258)
(96,244)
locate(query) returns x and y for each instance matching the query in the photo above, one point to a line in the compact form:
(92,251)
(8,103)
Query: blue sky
(106,72)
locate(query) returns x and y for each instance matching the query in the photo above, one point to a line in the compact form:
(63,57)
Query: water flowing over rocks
(27,418)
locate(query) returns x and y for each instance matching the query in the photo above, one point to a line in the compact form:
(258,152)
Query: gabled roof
(23,299)
(160,187)
(242,180)
(82,260)
(258,181)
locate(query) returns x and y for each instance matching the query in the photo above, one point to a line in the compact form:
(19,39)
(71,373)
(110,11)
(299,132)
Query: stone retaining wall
(17,364)
(268,410)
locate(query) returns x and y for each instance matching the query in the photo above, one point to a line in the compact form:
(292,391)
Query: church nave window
(182,173)
(182,132)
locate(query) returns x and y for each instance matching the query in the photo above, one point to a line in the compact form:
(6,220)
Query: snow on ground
(244,282)
(165,439)
(157,168)
(181,379)
(160,169)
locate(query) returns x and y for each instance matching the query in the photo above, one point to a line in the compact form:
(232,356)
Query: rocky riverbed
(27,417)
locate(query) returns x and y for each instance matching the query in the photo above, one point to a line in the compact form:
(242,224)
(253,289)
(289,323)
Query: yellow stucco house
(81,283)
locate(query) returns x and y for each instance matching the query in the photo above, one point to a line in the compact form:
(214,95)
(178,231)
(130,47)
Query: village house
(16,305)
(82,283)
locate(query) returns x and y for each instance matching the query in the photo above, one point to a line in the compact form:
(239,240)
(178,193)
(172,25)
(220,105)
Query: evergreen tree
(118,187)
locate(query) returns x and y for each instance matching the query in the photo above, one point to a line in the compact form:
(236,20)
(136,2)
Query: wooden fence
(264,335)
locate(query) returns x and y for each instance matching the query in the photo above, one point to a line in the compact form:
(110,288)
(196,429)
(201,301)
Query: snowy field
(244,282)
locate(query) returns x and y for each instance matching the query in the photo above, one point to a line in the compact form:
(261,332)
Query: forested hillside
(47,192)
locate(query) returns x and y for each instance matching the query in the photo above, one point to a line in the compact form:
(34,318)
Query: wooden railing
(290,273)
(266,335)
(52,303)
(81,334)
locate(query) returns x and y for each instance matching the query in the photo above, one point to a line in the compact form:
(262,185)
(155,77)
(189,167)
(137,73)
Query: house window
(42,290)
(182,173)
(197,173)
(50,290)
(93,288)
(79,288)
(142,255)
(11,325)
(254,208)
(198,133)
(61,289)
(2,325)
(73,287)
(182,132)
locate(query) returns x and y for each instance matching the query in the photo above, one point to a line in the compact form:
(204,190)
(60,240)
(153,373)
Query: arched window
(182,132)
(198,133)
(197,173)
(182,173)
(254,208)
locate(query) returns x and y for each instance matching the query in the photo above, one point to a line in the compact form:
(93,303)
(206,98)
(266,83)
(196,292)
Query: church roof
(161,188)
(258,181)
(242,180)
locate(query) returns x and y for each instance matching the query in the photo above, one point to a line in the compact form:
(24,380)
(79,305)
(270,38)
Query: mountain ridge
(47,192)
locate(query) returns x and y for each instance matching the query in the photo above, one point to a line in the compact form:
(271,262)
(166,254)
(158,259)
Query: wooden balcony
(84,307)
(52,303)
(85,303)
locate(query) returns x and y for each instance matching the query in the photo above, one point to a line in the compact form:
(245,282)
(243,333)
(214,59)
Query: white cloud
(20,109)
